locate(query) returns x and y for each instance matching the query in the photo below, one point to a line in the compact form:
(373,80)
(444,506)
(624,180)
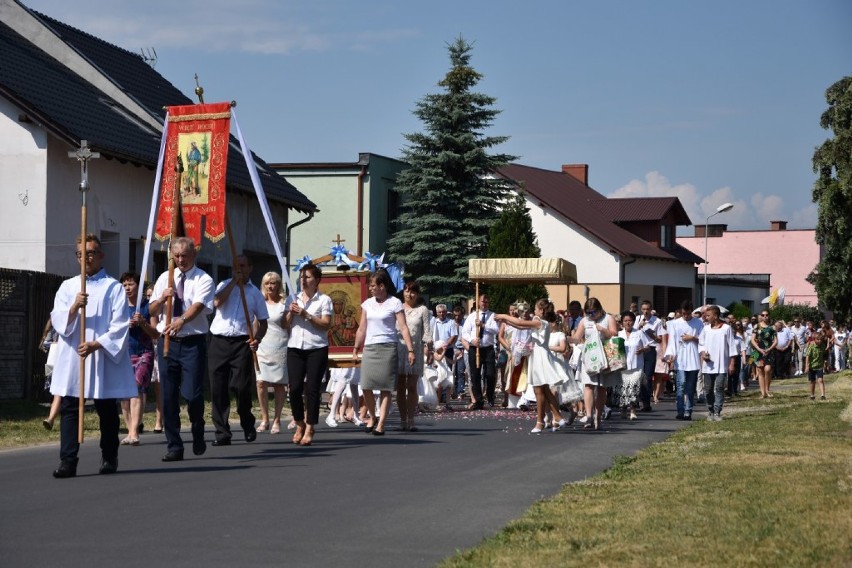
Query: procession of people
(571,367)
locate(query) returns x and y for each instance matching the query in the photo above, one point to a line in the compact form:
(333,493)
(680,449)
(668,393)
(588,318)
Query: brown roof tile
(582,205)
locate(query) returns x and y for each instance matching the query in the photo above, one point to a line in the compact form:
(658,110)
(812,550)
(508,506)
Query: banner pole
(241,285)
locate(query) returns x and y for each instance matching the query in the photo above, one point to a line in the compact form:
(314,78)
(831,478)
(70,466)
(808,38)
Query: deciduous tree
(832,192)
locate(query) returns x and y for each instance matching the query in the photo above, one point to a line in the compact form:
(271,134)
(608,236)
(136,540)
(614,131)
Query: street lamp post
(721,209)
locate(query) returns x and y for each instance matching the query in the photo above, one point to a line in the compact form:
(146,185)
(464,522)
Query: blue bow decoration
(371,261)
(339,255)
(396,272)
(301,262)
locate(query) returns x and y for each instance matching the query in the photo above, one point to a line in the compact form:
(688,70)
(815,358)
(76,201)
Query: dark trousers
(648,365)
(486,371)
(782,363)
(69,409)
(182,374)
(458,373)
(230,364)
(306,369)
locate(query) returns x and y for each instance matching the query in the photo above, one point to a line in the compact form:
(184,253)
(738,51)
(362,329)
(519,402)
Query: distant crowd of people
(575,365)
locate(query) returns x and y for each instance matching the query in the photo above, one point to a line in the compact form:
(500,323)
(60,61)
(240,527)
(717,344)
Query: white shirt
(799,334)
(304,334)
(109,373)
(230,319)
(381,320)
(490,328)
(444,329)
(685,353)
(653,324)
(198,288)
(637,340)
(720,345)
(784,337)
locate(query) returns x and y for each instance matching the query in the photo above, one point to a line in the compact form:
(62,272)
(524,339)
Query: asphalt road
(351,499)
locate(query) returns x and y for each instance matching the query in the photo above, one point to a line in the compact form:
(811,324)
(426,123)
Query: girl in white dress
(543,367)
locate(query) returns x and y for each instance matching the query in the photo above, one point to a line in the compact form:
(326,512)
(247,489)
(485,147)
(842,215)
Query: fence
(26,298)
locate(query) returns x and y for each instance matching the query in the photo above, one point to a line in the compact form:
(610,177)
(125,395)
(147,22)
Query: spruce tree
(449,196)
(513,237)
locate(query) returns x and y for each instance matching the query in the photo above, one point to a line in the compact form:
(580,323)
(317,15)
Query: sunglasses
(591,312)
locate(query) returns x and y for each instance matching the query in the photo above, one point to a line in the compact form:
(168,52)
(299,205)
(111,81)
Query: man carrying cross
(108,372)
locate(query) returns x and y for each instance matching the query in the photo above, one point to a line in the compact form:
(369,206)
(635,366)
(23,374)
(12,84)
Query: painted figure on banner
(193,160)
(344,323)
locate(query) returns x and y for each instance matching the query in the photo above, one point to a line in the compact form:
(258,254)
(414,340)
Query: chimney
(713,230)
(577,171)
(778,225)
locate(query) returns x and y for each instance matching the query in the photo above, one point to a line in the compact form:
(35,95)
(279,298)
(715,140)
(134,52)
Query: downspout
(360,222)
(623,275)
(289,230)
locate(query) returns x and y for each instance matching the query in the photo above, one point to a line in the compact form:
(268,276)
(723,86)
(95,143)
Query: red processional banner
(199,136)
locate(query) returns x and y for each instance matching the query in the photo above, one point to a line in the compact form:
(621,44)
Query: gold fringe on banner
(209,116)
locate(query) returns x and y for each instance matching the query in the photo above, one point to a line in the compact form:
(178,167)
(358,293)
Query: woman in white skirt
(635,344)
(381,316)
(595,322)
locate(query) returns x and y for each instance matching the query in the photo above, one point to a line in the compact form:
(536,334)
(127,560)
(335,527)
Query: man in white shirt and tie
(479,335)
(182,372)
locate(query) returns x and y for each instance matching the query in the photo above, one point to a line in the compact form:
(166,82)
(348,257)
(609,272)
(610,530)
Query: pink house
(786,257)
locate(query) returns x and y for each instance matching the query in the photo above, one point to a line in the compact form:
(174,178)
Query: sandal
(276,428)
(126,441)
(300,433)
(263,426)
(134,442)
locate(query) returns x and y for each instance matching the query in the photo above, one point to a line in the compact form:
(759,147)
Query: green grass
(21,422)
(771,485)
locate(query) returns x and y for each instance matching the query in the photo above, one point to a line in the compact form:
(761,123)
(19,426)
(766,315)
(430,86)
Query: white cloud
(249,26)
(754,212)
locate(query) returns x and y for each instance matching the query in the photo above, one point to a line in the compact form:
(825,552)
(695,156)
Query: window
(749,304)
(666,236)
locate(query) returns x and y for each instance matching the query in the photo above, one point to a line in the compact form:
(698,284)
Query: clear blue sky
(710,101)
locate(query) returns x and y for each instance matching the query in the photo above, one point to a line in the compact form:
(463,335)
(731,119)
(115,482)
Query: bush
(804,311)
(739,310)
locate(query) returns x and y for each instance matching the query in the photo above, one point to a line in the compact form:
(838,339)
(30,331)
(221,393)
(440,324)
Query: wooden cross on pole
(338,240)
(83,154)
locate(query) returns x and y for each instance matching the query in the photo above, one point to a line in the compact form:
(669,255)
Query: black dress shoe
(223,442)
(65,469)
(173,457)
(108,466)
(199,446)
(251,435)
